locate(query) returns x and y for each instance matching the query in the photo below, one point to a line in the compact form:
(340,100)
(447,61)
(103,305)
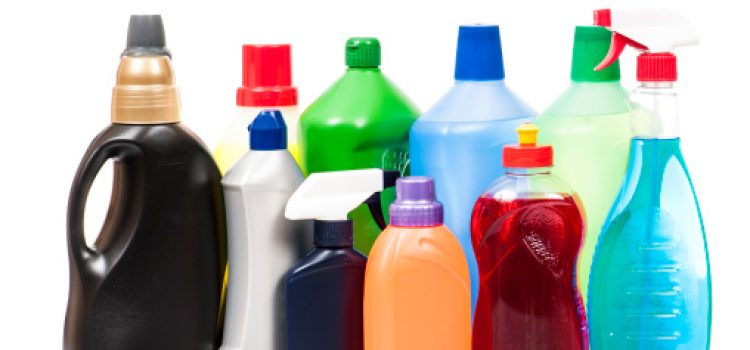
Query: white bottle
(263,244)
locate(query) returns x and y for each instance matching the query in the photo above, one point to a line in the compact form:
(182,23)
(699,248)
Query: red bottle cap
(266,76)
(657,67)
(527,154)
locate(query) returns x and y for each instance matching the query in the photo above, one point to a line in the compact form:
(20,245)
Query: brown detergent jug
(153,278)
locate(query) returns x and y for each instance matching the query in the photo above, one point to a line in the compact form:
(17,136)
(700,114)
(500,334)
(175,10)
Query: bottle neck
(333,234)
(655,110)
(527,171)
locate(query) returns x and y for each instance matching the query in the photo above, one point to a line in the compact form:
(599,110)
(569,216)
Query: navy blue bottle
(325,291)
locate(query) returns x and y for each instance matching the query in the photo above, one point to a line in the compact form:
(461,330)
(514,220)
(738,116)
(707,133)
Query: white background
(58,61)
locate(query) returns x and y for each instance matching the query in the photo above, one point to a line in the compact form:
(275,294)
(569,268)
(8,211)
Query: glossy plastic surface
(588,127)
(527,231)
(263,246)
(650,284)
(234,142)
(324,300)
(154,276)
(361,121)
(459,143)
(417,291)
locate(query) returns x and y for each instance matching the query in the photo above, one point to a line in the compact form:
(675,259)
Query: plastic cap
(415,204)
(268,131)
(146,36)
(527,154)
(333,233)
(657,67)
(363,52)
(590,46)
(266,76)
(479,55)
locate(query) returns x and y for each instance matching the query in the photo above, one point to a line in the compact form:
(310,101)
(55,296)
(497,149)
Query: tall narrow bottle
(459,141)
(266,84)
(263,244)
(650,285)
(325,289)
(362,121)
(588,127)
(417,291)
(527,229)
(153,278)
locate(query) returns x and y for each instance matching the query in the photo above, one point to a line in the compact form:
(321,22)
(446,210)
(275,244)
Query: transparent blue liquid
(650,285)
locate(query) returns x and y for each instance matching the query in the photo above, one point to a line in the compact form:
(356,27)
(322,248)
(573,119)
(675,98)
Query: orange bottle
(417,289)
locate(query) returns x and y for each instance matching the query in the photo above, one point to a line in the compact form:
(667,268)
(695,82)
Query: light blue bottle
(459,141)
(650,285)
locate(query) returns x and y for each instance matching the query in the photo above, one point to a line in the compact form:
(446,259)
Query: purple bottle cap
(415,204)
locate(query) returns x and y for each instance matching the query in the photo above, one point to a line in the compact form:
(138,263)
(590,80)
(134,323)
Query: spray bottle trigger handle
(375,201)
(619,42)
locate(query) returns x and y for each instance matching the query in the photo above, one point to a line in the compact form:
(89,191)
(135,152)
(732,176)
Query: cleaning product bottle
(361,121)
(588,128)
(266,84)
(325,289)
(527,229)
(459,141)
(650,285)
(263,244)
(417,289)
(153,278)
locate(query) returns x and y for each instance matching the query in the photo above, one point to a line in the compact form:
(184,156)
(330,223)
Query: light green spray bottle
(588,126)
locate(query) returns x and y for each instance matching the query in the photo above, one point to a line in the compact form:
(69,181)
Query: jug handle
(127,184)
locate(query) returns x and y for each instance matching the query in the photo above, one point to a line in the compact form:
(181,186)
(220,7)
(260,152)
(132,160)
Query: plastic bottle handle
(122,212)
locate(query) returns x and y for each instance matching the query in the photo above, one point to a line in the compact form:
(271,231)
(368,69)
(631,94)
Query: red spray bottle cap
(655,32)
(266,76)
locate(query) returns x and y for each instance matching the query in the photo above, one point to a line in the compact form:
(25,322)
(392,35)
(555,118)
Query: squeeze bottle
(325,289)
(266,84)
(361,121)
(527,229)
(459,141)
(153,278)
(417,290)
(650,285)
(588,128)
(263,244)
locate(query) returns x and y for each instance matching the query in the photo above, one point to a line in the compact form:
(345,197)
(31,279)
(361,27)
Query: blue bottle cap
(479,55)
(268,131)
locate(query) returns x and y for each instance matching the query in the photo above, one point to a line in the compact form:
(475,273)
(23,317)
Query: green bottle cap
(363,52)
(590,46)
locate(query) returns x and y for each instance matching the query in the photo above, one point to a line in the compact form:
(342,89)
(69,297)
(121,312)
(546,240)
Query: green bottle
(588,126)
(361,121)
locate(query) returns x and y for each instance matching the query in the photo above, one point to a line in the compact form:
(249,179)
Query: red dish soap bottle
(527,230)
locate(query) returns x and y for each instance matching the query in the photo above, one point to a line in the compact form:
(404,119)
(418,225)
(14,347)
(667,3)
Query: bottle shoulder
(510,187)
(478,102)
(358,97)
(326,261)
(589,99)
(264,171)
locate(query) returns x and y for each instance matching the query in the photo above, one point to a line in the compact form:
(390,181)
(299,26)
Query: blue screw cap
(479,55)
(268,131)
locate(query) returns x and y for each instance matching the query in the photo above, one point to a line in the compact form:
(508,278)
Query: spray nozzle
(651,31)
(332,195)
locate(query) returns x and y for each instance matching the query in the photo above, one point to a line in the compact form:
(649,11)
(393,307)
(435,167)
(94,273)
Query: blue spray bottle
(650,285)
(459,141)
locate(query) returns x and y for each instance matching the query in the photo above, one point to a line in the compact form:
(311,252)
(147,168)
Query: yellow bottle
(266,84)
(417,290)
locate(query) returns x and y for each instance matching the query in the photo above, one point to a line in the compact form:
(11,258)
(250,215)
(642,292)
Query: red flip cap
(266,76)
